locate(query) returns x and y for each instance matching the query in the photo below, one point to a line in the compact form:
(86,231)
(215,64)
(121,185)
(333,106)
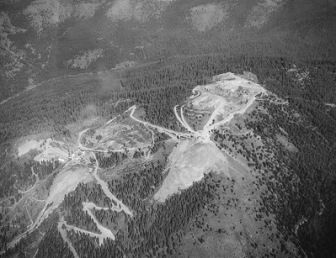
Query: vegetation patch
(205,17)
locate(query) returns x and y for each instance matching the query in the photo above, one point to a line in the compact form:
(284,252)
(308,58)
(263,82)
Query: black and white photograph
(167,128)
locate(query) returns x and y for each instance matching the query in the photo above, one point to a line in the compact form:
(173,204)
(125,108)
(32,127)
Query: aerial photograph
(167,128)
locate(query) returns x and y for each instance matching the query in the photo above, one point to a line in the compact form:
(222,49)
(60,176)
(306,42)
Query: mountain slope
(168,128)
(58,33)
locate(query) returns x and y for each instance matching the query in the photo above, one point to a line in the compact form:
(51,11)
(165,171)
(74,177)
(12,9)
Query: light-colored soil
(188,163)
(195,154)
(34,207)
(180,117)
(228,96)
(118,136)
(48,149)
(205,17)
(121,10)
(261,12)
(65,182)
(120,206)
(330,105)
(28,146)
(105,232)
(197,119)
(83,61)
(175,135)
(85,10)
(53,150)
(46,13)
(140,10)
(286,143)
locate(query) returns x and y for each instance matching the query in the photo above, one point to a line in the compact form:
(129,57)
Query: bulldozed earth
(214,110)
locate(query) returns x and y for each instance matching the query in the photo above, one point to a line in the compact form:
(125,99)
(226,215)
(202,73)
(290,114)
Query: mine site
(167,128)
(210,108)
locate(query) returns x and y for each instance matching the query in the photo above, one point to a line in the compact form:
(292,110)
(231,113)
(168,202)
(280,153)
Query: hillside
(169,128)
(269,166)
(45,39)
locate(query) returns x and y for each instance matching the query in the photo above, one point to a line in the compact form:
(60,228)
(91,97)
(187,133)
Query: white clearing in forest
(205,17)
(28,146)
(188,163)
(226,96)
(46,13)
(49,149)
(140,10)
(261,13)
(83,61)
(66,182)
(121,10)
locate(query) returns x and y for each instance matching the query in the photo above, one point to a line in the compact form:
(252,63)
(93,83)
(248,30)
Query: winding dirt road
(201,136)
(161,129)
(182,120)
(49,206)
(107,192)
(65,237)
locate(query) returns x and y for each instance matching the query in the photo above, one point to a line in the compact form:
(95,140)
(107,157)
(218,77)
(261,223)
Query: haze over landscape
(167,128)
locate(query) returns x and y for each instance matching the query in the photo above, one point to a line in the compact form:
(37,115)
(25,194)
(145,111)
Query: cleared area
(188,163)
(227,96)
(117,136)
(47,150)
(205,17)
(195,154)
(64,183)
(105,233)
(61,228)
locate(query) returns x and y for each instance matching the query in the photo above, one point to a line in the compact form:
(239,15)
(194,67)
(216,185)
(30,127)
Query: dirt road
(161,129)
(104,186)
(65,237)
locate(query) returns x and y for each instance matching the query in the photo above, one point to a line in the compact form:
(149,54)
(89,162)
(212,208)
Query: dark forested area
(158,90)
(56,105)
(154,230)
(19,175)
(307,188)
(113,159)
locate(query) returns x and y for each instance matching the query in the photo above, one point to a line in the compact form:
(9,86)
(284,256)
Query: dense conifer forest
(310,170)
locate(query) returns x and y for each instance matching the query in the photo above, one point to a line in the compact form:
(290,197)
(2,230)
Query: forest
(152,223)
(308,180)
(158,91)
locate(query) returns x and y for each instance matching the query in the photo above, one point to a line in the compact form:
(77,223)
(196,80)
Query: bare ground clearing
(195,154)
